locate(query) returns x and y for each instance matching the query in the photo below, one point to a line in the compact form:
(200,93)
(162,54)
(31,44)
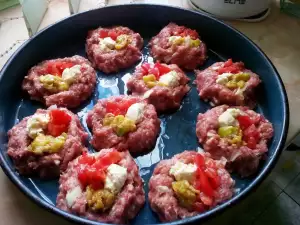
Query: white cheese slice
(69,74)
(223,78)
(135,111)
(228,118)
(170,79)
(109,43)
(182,171)
(115,178)
(73,195)
(36,124)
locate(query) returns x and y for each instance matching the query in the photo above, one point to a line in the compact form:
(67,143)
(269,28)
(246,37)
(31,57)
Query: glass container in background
(291,7)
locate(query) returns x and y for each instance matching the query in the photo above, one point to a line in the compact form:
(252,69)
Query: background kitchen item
(291,7)
(252,10)
(4,4)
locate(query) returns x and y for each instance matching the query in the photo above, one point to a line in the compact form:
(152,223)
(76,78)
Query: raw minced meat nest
(241,158)
(127,204)
(183,55)
(162,197)
(218,94)
(162,97)
(45,165)
(80,89)
(113,60)
(141,140)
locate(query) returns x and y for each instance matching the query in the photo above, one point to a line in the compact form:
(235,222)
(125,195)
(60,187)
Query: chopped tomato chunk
(244,121)
(156,69)
(59,122)
(57,68)
(103,33)
(251,136)
(113,34)
(230,67)
(189,32)
(92,171)
(119,108)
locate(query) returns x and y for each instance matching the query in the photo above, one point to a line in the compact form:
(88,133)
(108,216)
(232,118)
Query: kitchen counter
(278,36)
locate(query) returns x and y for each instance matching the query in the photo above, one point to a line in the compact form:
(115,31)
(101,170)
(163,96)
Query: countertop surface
(278,36)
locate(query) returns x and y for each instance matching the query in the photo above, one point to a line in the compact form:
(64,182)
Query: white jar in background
(232,9)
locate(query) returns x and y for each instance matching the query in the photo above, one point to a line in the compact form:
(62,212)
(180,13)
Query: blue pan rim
(204,216)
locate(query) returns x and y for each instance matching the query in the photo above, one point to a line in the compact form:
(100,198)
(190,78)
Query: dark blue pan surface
(67,38)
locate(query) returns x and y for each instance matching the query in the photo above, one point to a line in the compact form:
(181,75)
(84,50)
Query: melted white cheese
(107,43)
(135,111)
(182,171)
(36,124)
(115,178)
(223,78)
(69,74)
(228,118)
(170,79)
(73,195)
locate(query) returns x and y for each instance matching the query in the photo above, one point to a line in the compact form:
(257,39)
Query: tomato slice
(199,161)
(204,184)
(155,72)
(213,178)
(244,121)
(162,69)
(146,67)
(103,33)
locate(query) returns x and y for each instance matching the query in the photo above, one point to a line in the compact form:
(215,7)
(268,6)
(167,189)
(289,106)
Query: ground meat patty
(138,141)
(163,98)
(127,204)
(162,197)
(241,159)
(79,90)
(112,60)
(218,94)
(183,55)
(45,165)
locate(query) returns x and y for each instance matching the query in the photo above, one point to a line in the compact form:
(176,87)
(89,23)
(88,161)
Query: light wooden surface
(274,202)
